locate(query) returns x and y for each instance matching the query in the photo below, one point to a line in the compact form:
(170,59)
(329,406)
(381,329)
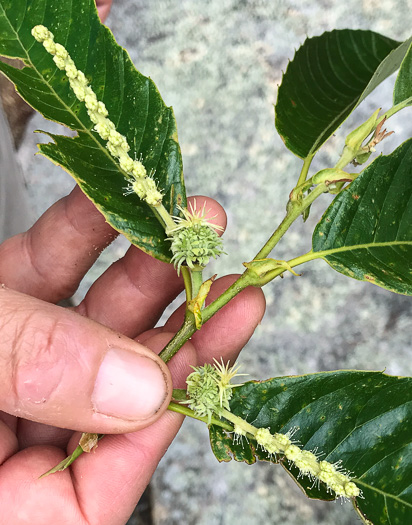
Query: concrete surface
(218,63)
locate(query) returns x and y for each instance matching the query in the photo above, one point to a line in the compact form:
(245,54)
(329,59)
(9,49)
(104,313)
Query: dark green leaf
(133,102)
(403,84)
(366,233)
(328,77)
(361,418)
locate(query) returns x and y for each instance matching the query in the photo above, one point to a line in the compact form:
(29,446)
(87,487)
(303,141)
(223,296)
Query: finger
(230,328)
(30,433)
(28,499)
(64,370)
(106,484)
(133,293)
(123,465)
(57,251)
(136,455)
(131,459)
(103,7)
(8,442)
(152,271)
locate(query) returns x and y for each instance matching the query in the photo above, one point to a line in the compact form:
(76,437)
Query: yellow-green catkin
(209,391)
(308,463)
(140,182)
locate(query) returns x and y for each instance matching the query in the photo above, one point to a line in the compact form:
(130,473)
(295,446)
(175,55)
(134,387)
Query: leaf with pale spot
(366,233)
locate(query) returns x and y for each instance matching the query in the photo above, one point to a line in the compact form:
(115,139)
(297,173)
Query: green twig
(176,407)
(398,107)
(63,465)
(185,332)
(187,279)
(246,279)
(196,276)
(164,218)
(292,214)
(305,168)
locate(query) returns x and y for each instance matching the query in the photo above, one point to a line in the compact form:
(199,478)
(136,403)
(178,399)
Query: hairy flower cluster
(140,182)
(194,240)
(308,463)
(209,389)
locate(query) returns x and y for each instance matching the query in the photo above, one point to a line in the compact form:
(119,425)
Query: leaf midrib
(331,125)
(354,247)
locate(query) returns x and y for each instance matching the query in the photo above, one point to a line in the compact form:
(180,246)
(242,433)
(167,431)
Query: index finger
(103,7)
(54,255)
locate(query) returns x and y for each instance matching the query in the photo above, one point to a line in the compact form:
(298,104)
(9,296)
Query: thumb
(62,369)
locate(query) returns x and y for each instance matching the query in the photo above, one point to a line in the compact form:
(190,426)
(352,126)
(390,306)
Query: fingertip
(215,213)
(133,386)
(70,372)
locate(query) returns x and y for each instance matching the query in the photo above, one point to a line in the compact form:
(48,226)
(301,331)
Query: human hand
(103,6)
(59,366)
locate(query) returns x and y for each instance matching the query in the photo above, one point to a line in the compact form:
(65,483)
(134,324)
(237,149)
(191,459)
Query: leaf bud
(357,136)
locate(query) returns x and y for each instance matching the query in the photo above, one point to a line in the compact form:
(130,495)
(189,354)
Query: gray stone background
(218,63)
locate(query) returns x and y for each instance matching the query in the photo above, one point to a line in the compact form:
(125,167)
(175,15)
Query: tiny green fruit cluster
(209,389)
(195,246)
(194,240)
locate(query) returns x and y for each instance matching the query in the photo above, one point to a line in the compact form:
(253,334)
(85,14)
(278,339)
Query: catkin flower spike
(209,391)
(139,181)
(193,238)
(334,477)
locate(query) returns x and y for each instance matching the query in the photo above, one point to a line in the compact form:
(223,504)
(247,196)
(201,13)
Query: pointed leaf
(361,418)
(133,102)
(328,77)
(403,84)
(366,233)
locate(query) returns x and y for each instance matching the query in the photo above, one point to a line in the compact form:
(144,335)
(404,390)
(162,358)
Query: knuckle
(36,358)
